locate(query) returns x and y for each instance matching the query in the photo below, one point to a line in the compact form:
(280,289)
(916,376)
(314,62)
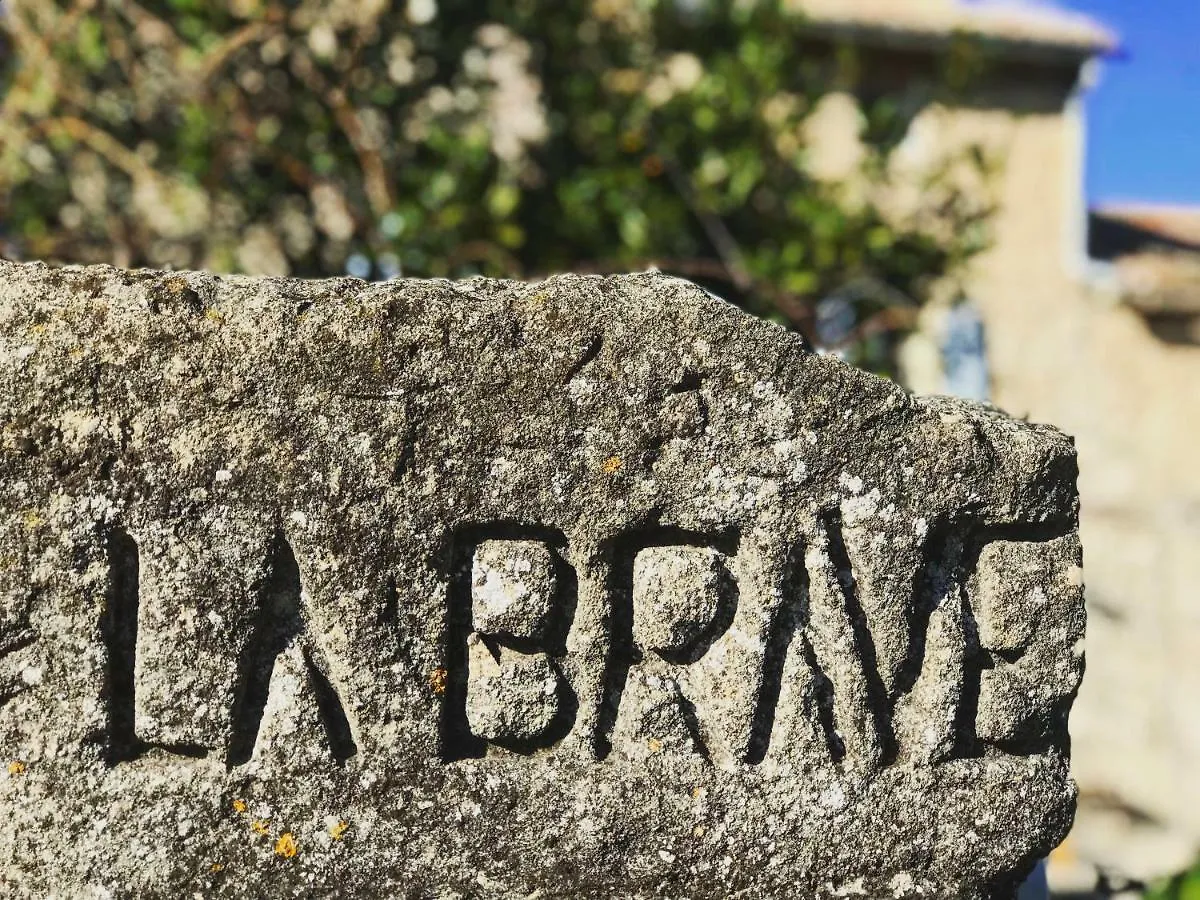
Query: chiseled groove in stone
(120,633)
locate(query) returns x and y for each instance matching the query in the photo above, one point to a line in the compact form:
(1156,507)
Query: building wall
(1062,349)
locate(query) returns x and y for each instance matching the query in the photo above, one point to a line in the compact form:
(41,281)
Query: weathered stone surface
(512,588)
(681,594)
(588,588)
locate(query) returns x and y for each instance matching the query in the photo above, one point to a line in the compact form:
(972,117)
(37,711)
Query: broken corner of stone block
(592,587)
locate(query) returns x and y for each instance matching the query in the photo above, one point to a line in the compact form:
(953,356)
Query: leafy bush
(1182,887)
(455,137)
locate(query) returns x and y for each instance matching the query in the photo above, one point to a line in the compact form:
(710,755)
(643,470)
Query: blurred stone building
(1090,321)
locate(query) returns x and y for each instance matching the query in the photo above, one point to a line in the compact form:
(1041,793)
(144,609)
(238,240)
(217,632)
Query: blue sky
(1144,116)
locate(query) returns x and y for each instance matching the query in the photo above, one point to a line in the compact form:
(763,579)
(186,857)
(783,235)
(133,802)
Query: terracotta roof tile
(1171,224)
(1155,251)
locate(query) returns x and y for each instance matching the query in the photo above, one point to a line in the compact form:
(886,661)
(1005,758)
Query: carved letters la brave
(591,587)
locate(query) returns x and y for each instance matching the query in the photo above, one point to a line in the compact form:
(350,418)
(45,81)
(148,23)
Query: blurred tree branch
(458,137)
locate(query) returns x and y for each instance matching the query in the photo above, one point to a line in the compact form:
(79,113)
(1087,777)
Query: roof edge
(1018,27)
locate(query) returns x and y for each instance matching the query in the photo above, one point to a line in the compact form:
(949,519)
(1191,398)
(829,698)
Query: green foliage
(456,137)
(1182,887)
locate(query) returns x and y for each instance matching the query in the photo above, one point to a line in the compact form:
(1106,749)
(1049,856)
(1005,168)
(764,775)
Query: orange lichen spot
(260,827)
(217,867)
(286,845)
(339,830)
(655,745)
(697,792)
(239,806)
(1064,854)
(16,767)
(611,465)
(437,680)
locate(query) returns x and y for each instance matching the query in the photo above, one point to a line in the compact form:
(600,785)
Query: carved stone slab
(597,587)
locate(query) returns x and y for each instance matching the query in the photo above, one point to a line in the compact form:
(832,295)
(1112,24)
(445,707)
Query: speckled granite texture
(596,587)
